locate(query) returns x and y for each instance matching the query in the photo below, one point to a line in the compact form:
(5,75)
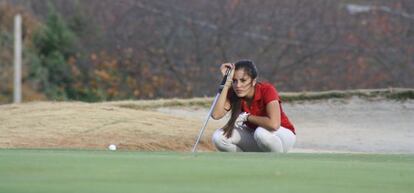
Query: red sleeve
(270,94)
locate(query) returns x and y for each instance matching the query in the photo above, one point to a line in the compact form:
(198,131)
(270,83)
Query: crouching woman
(257,122)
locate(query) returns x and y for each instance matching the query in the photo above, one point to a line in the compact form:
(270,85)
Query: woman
(257,122)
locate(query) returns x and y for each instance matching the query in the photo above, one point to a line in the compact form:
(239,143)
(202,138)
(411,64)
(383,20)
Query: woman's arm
(270,122)
(223,103)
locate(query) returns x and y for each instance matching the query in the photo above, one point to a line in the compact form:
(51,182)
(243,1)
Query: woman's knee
(217,136)
(220,141)
(262,135)
(267,141)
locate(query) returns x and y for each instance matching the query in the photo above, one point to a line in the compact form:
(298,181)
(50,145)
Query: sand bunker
(341,125)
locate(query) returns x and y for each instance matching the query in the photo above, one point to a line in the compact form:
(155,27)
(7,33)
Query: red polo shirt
(264,94)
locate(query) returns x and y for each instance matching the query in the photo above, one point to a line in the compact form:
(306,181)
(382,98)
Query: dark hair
(250,68)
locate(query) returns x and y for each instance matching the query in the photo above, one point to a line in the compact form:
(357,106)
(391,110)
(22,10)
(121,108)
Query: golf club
(211,110)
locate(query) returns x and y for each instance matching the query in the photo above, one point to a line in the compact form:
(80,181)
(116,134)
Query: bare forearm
(227,70)
(264,122)
(219,109)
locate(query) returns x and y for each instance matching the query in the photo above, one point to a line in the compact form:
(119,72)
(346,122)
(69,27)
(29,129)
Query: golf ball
(112,147)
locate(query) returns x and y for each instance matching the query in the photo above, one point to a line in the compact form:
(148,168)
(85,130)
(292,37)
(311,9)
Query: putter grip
(224,80)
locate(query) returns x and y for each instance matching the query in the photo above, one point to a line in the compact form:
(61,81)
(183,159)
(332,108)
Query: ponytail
(250,68)
(235,111)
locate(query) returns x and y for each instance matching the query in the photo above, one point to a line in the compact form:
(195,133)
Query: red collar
(257,94)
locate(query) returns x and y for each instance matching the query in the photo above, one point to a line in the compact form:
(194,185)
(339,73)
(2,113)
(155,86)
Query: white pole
(17,59)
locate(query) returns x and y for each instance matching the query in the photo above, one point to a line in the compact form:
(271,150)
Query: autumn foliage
(136,49)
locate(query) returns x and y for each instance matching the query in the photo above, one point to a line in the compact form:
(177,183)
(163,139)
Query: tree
(54,45)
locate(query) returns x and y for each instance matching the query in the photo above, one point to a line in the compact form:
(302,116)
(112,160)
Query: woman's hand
(223,69)
(241,120)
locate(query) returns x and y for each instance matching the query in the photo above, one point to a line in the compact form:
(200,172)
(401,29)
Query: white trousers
(261,140)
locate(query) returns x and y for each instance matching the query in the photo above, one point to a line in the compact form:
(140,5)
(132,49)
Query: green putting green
(52,171)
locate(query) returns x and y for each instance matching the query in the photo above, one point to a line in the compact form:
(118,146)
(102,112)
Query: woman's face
(243,84)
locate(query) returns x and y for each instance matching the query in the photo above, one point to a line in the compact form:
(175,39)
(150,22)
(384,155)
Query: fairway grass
(52,171)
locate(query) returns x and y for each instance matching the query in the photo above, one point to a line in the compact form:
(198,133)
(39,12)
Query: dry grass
(95,126)
(136,125)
